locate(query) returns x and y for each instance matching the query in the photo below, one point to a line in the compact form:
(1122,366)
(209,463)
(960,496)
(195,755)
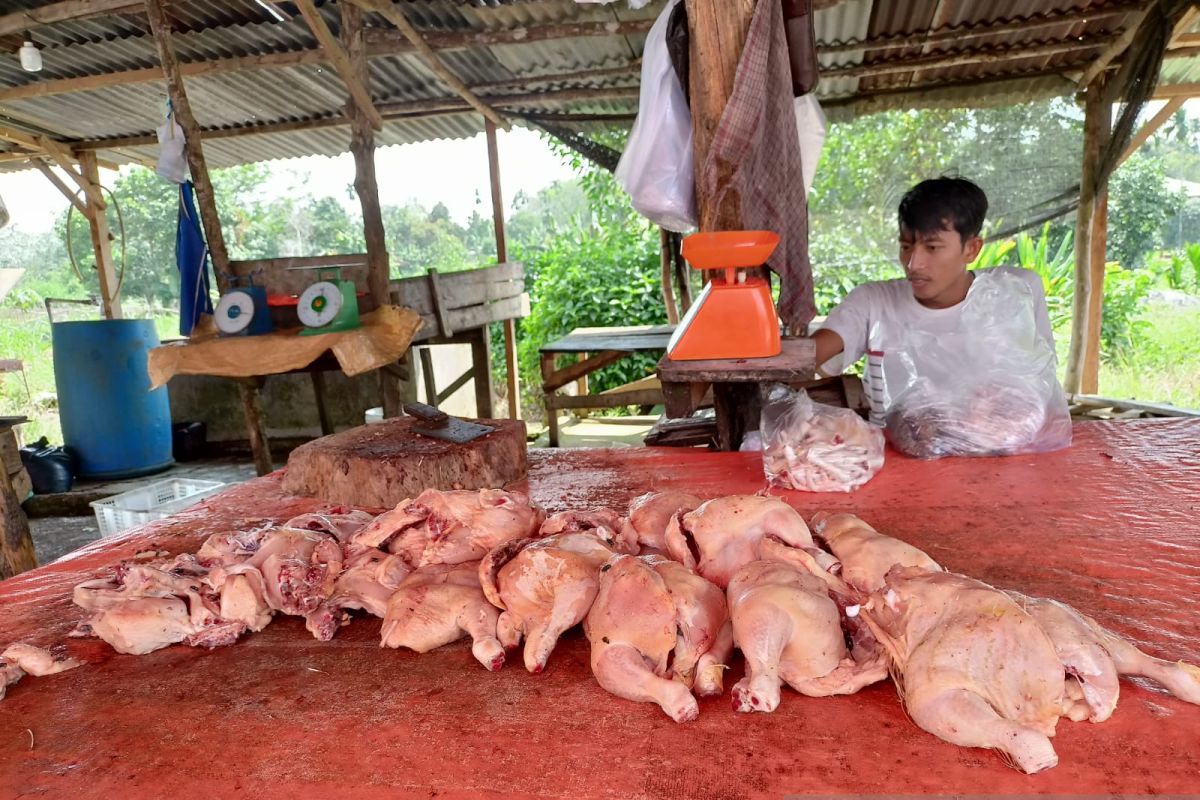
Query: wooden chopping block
(377,466)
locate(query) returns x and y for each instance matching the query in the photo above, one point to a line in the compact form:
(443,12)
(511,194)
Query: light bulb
(31,57)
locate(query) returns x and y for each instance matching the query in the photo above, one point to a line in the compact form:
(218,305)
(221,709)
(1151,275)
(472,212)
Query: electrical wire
(120,226)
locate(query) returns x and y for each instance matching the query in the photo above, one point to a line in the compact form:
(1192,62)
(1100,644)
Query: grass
(25,335)
(1166,367)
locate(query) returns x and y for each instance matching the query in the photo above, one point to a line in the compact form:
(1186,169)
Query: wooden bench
(597,347)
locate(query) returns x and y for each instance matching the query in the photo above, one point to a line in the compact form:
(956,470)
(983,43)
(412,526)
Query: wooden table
(597,347)
(735,386)
(1107,526)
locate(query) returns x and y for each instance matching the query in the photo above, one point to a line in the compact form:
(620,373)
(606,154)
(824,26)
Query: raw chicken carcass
(340,523)
(605,525)
(543,586)
(451,527)
(19,659)
(727,533)
(367,582)
(647,610)
(1094,658)
(972,667)
(789,630)
(865,554)
(439,604)
(148,606)
(651,513)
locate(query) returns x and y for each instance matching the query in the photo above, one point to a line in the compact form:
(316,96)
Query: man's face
(936,265)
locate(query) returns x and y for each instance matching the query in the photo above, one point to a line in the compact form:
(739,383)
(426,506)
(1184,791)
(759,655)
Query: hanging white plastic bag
(814,447)
(988,388)
(172,162)
(656,168)
(811,125)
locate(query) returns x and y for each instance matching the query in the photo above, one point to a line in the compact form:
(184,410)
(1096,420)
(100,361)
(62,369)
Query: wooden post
(16,544)
(664,264)
(718,34)
(1089,279)
(362,145)
(101,242)
(510,326)
(255,430)
(1098,263)
(205,197)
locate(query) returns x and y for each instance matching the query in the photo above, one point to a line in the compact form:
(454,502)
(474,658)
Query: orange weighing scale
(734,316)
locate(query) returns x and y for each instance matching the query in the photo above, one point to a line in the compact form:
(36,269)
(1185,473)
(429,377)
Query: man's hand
(829,344)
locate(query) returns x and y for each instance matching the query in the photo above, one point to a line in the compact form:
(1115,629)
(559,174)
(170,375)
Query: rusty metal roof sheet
(874,55)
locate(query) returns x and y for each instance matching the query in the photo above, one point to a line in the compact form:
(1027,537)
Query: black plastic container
(188,440)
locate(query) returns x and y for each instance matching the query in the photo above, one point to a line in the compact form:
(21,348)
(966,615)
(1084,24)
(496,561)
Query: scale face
(234,312)
(328,306)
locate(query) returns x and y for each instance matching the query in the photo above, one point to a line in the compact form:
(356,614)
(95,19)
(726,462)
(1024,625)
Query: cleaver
(440,425)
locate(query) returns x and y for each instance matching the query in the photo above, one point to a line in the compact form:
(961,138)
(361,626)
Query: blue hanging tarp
(191,256)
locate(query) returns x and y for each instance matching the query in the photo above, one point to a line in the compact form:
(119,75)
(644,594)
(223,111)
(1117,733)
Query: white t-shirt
(893,302)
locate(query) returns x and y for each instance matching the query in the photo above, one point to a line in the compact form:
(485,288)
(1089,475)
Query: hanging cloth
(191,257)
(757,141)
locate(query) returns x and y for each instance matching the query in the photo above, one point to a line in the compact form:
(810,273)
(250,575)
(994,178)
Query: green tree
(1139,204)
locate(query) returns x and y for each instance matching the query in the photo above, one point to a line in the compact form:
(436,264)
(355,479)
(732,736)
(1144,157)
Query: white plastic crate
(157,500)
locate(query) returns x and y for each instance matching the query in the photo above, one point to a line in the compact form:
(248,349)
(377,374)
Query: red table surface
(1110,526)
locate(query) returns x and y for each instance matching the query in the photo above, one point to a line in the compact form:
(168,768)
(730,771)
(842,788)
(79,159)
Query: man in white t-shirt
(940,221)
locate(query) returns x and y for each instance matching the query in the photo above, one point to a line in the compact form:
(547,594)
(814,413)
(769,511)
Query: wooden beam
(26,140)
(511,367)
(1114,49)
(1094,124)
(362,146)
(110,289)
(394,15)
(415,108)
(44,168)
(50,13)
(379,43)
(718,33)
(898,66)
(205,196)
(1165,113)
(63,158)
(1184,90)
(964,33)
(336,56)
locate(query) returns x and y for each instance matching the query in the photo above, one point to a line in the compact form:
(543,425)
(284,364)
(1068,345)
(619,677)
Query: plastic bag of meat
(815,447)
(987,388)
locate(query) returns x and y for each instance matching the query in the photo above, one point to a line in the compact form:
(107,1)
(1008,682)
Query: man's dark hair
(932,205)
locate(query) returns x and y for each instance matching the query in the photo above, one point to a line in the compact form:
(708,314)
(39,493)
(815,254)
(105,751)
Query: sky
(453,172)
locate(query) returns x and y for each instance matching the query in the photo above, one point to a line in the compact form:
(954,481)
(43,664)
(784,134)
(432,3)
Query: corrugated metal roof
(870,48)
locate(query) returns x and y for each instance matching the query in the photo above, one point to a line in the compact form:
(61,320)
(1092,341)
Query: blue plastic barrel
(116,425)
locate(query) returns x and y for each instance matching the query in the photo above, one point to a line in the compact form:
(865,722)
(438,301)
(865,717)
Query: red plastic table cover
(1109,526)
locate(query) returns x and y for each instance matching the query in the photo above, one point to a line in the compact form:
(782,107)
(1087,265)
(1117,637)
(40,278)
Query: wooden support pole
(359,92)
(1115,49)
(511,367)
(255,430)
(718,33)
(1098,265)
(205,196)
(664,262)
(110,297)
(1087,293)
(396,16)
(1165,113)
(44,168)
(63,158)
(362,145)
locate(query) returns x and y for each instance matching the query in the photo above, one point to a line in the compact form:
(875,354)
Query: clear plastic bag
(987,389)
(815,447)
(656,168)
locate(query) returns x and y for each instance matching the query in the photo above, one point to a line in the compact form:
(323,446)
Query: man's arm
(829,344)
